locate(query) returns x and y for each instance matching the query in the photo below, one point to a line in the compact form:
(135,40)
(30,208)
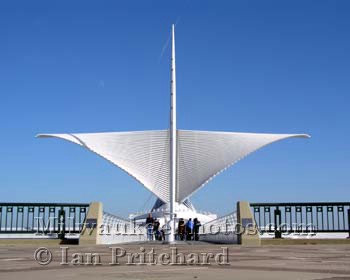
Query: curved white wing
(142,154)
(205,154)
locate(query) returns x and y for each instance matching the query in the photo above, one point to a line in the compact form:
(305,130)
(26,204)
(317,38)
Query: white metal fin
(142,154)
(205,154)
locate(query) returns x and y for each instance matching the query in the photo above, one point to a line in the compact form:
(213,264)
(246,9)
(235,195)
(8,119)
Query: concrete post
(248,234)
(91,228)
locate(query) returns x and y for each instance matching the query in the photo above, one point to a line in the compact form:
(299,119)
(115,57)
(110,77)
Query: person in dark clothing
(189,229)
(149,226)
(196,225)
(181,229)
(162,235)
(156,231)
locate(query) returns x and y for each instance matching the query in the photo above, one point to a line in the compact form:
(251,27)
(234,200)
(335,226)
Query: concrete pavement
(266,262)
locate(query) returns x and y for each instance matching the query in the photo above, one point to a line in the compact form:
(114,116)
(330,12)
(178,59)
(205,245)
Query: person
(189,229)
(156,224)
(162,235)
(149,226)
(181,229)
(196,225)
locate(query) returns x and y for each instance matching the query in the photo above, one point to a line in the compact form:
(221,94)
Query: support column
(91,229)
(248,231)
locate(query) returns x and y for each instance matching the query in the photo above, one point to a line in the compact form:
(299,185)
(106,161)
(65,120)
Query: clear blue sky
(248,66)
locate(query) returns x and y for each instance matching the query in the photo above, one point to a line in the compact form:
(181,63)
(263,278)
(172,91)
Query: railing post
(61,223)
(278,221)
(349,222)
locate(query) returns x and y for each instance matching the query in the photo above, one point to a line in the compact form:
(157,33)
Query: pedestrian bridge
(250,222)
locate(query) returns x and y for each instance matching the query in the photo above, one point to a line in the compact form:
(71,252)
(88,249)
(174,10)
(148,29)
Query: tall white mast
(173,139)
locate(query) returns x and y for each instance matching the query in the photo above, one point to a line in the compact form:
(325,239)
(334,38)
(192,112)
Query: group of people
(153,229)
(188,230)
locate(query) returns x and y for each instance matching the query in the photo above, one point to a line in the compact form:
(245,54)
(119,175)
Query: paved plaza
(266,262)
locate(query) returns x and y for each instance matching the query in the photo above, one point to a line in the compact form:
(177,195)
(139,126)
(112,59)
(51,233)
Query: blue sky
(248,66)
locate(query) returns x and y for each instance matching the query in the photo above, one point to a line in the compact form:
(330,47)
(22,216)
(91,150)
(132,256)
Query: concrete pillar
(248,231)
(90,234)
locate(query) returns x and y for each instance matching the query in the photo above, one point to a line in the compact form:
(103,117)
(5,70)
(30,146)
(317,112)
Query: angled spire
(173,138)
(173,80)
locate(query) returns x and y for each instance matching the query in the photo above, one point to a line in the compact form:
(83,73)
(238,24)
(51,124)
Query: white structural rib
(142,154)
(205,154)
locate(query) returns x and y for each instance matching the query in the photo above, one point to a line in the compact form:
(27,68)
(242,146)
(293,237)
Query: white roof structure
(145,155)
(173,163)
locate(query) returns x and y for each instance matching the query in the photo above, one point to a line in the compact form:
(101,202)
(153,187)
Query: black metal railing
(312,217)
(42,218)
